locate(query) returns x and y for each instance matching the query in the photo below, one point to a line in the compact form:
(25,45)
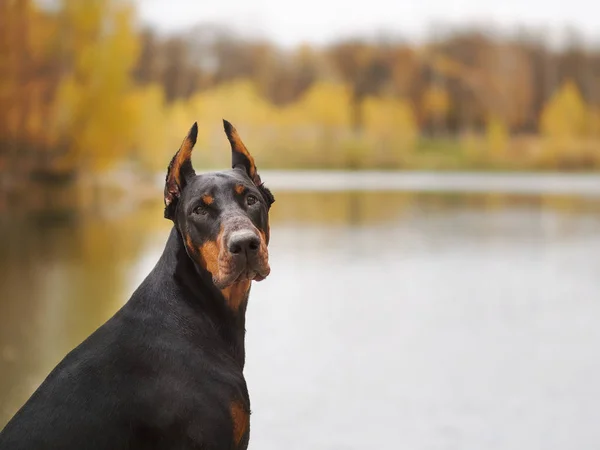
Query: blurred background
(436,233)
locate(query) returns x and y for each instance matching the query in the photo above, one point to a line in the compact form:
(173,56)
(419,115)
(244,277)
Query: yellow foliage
(325,105)
(497,136)
(149,139)
(25,34)
(92,107)
(435,102)
(390,130)
(594,123)
(67,88)
(565,116)
(296,133)
(389,118)
(237,101)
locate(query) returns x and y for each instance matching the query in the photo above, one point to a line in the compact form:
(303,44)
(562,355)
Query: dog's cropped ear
(241,158)
(179,171)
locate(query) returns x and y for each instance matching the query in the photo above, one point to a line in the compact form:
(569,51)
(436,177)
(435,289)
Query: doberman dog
(166,371)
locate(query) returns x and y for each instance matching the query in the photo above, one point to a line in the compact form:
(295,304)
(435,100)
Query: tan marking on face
(263,250)
(239,189)
(236,294)
(263,235)
(208,199)
(241,421)
(209,257)
(209,254)
(189,244)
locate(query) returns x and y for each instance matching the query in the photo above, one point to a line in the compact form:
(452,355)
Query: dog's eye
(251,200)
(200,209)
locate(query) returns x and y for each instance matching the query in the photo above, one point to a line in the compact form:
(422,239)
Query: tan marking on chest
(241,421)
(236,294)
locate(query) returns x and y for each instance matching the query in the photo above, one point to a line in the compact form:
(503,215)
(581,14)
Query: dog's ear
(179,171)
(241,158)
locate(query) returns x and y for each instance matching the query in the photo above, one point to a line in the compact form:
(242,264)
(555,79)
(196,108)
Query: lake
(392,318)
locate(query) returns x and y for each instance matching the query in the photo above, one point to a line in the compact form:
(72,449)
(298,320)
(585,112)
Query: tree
(326,105)
(435,105)
(565,116)
(92,112)
(497,137)
(390,126)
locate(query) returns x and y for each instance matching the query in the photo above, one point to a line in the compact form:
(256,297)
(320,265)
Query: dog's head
(222,217)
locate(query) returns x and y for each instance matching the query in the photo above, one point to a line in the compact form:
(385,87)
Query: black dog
(166,371)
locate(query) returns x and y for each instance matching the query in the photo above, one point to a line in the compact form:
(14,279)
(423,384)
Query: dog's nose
(243,241)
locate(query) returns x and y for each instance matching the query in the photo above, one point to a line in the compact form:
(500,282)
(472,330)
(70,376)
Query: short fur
(166,371)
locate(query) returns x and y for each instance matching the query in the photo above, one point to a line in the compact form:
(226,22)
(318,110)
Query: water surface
(390,320)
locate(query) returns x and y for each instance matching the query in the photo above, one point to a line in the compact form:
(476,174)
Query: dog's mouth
(234,273)
(250,274)
(239,268)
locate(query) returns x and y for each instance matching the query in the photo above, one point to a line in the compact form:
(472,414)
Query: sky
(321,21)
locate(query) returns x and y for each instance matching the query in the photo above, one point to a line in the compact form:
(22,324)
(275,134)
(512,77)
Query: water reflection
(450,321)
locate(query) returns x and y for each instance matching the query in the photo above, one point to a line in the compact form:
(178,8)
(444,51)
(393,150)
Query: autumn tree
(391,128)
(435,105)
(497,137)
(363,67)
(93,113)
(565,116)
(28,77)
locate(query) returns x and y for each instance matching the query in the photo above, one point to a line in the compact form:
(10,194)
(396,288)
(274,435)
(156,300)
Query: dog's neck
(226,308)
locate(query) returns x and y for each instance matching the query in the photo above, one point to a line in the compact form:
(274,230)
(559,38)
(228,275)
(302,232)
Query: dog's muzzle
(243,256)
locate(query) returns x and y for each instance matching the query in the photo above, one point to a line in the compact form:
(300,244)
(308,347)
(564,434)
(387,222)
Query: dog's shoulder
(142,374)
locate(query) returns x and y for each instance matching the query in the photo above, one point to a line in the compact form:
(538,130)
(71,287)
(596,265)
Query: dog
(166,371)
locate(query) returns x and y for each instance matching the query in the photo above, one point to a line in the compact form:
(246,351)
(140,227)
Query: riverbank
(529,183)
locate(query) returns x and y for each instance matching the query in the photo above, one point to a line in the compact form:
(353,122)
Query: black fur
(163,372)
